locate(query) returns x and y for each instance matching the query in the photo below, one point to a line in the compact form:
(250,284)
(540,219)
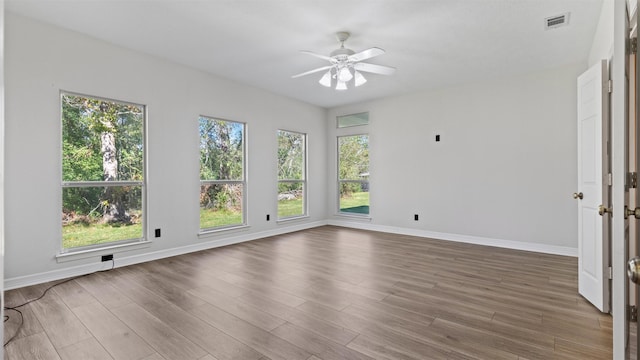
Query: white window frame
(361,115)
(341,181)
(64,252)
(303,180)
(243,182)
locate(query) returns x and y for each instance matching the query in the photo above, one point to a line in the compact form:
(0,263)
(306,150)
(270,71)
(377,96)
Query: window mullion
(70,184)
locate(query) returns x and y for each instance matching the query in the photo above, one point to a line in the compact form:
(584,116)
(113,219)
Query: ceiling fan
(346,65)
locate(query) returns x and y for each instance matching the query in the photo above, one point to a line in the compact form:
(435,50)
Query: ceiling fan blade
(366,54)
(375,69)
(312,71)
(324,57)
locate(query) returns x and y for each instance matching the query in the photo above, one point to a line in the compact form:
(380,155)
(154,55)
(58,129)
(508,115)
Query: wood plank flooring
(327,293)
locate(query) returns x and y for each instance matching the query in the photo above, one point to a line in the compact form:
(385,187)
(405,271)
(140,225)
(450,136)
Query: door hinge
(632,180)
(632,45)
(610,273)
(610,179)
(633,313)
(610,86)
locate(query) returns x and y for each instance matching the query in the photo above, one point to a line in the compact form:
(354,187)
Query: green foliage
(291,149)
(353,160)
(221,158)
(291,166)
(92,233)
(81,157)
(84,121)
(290,199)
(290,187)
(211,218)
(221,197)
(221,149)
(102,140)
(288,208)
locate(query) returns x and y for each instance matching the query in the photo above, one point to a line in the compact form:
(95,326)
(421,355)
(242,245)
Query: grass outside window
(356,203)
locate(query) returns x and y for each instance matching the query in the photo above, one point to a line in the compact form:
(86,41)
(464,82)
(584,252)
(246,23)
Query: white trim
(27,280)
(102,250)
(291,218)
(216,231)
(353,216)
(508,244)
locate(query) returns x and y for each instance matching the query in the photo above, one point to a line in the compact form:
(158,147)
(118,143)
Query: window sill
(106,250)
(293,218)
(213,232)
(354,216)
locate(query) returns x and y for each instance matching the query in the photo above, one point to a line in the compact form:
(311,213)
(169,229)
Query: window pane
(353,120)
(353,172)
(290,199)
(354,197)
(98,215)
(291,149)
(291,166)
(102,140)
(221,149)
(353,157)
(221,205)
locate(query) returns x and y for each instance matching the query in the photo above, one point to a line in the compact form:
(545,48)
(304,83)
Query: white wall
(41,60)
(602,45)
(503,173)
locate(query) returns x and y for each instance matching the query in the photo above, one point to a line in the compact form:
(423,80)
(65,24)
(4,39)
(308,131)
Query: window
(222,173)
(291,174)
(353,174)
(353,120)
(102,172)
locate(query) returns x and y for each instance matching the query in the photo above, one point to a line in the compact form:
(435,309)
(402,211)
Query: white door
(593,181)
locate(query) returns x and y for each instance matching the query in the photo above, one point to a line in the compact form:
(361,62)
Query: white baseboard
(22,281)
(27,280)
(509,244)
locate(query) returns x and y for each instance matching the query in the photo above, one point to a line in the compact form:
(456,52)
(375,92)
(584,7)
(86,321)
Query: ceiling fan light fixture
(346,65)
(344,74)
(326,79)
(359,78)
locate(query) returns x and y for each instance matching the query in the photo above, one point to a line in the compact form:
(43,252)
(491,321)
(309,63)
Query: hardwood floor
(327,293)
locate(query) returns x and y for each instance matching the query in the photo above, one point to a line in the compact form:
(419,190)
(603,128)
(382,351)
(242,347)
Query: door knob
(632,212)
(578,195)
(602,210)
(633,269)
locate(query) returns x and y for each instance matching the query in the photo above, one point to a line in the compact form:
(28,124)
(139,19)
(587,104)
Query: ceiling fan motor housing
(341,54)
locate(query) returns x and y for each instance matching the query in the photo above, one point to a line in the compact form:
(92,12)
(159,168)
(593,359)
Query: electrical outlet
(415,217)
(157,232)
(107,257)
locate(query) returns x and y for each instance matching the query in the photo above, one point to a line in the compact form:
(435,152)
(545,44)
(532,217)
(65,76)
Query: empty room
(319,180)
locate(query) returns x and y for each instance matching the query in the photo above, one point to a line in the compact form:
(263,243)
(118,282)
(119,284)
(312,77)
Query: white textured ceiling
(432,43)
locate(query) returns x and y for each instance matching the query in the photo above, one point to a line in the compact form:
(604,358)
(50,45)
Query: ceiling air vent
(556,21)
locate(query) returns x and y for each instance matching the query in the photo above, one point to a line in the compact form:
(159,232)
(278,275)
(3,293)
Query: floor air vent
(556,21)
